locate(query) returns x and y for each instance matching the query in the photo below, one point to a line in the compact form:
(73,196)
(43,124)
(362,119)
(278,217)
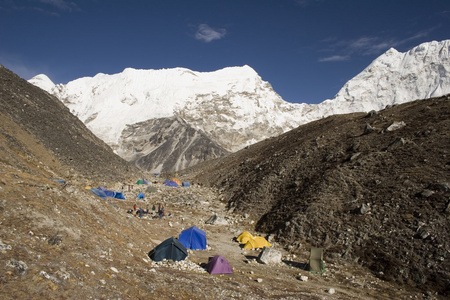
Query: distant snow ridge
(395,78)
(234,107)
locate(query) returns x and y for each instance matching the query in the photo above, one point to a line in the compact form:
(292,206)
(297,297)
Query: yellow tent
(177,181)
(257,242)
(244,237)
(88,187)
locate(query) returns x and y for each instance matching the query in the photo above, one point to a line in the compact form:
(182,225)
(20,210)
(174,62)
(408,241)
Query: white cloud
(366,45)
(61,4)
(334,58)
(49,7)
(207,34)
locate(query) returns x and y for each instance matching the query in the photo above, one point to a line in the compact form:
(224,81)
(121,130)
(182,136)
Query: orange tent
(176,180)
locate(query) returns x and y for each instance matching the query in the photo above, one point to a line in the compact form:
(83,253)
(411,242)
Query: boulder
(216,220)
(395,126)
(269,256)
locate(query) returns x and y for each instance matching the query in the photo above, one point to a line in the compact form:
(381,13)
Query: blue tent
(58,180)
(186,184)
(171,183)
(102,188)
(144,181)
(109,193)
(99,193)
(141,196)
(193,238)
(118,195)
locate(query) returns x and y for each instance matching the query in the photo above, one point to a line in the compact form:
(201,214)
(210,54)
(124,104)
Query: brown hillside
(353,186)
(42,126)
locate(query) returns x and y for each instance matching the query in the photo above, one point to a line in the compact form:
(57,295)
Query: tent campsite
(141,196)
(169,249)
(193,238)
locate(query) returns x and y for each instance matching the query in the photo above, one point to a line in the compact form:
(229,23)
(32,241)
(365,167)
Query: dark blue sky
(307,49)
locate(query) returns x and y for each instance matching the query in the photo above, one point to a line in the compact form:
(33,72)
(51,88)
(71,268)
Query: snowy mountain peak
(235,95)
(394,78)
(43,82)
(234,107)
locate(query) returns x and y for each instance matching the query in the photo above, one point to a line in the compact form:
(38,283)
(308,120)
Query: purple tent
(218,265)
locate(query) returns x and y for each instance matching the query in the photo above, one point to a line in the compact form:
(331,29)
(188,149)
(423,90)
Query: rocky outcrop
(166,144)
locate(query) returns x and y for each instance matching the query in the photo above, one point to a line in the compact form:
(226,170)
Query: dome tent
(193,238)
(218,265)
(257,242)
(244,237)
(169,249)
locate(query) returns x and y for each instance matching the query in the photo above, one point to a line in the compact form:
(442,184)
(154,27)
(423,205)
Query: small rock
(395,126)
(364,209)
(355,156)
(48,276)
(55,240)
(19,265)
(331,291)
(4,247)
(368,129)
(426,193)
(371,114)
(303,278)
(259,280)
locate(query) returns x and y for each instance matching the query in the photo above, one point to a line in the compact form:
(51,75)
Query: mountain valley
(372,189)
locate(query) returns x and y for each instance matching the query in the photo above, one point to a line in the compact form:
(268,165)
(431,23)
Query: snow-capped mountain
(394,78)
(232,107)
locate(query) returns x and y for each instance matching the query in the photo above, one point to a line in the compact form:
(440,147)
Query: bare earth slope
(55,128)
(374,189)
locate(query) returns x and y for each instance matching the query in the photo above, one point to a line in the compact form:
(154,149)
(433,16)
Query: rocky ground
(61,241)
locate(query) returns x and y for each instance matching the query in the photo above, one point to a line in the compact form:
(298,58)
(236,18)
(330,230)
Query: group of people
(139,212)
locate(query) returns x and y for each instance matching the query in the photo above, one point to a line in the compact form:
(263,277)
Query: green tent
(140,181)
(316,260)
(169,249)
